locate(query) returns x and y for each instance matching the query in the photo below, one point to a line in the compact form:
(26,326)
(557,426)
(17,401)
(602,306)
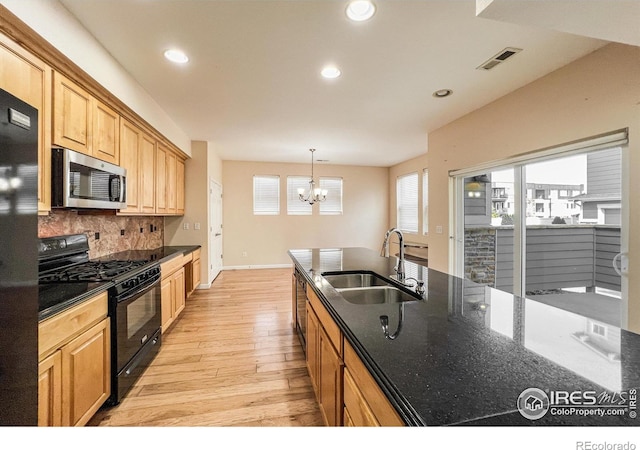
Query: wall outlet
(97,236)
(196,226)
(185,226)
(244,253)
(121,232)
(439,229)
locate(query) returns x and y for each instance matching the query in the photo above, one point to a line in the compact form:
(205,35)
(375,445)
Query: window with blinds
(333,204)
(266,195)
(425,201)
(407,202)
(295,207)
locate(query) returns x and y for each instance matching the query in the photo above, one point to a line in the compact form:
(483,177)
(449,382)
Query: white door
(215,229)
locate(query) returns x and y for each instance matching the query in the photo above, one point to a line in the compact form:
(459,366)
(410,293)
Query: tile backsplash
(106,233)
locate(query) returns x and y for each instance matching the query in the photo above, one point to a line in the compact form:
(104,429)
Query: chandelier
(315,194)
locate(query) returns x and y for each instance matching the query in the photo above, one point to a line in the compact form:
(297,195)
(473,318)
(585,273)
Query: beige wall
(203,166)
(266,239)
(596,94)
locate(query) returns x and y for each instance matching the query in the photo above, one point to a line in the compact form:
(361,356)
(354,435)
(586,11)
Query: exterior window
(266,195)
(407,201)
(295,207)
(333,204)
(425,201)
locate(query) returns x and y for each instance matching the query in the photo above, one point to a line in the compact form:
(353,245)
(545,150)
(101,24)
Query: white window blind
(295,207)
(266,195)
(425,201)
(333,204)
(407,201)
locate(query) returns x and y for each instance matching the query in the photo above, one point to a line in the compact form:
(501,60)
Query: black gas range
(134,300)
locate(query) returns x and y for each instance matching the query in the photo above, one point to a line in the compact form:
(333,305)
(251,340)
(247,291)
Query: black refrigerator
(18,262)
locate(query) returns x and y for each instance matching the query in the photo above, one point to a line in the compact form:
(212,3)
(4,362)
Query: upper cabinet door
(130,139)
(72,118)
(106,133)
(29,78)
(147,174)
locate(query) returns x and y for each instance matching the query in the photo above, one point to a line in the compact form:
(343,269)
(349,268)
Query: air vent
(499,58)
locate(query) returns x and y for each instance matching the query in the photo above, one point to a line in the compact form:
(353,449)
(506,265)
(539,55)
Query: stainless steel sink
(355,280)
(367,288)
(375,295)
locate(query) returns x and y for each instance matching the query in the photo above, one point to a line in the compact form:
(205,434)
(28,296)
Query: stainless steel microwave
(82,181)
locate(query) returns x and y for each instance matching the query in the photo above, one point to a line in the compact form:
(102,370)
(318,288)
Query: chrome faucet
(399,268)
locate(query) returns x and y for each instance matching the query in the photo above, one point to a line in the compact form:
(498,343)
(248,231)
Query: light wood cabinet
(347,393)
(324,360)
(138,156)
(161,179)
(29,79)
(330,389)
(72,118)
(171,180)
(50,390)
(83,123)
(75,364)
(106,133)
(173,289)
(147,175)
(364,402)
(179,193)
(130,138)
(86,379)
(192,272)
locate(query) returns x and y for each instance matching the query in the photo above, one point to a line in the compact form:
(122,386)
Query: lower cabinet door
(86,363)
(330,382)
(313,351)
(50,391)
(355,407)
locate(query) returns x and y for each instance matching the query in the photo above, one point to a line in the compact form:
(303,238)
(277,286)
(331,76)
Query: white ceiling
(253,87)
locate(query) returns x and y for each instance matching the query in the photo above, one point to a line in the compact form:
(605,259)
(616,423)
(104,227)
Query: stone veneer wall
(137,230)
(480,255)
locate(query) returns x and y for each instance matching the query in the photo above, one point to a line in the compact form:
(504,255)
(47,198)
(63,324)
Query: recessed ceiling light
(331,72)
(176,56)
(360,10)
(442,93)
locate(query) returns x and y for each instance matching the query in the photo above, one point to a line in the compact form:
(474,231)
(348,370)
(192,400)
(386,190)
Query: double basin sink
(368,288)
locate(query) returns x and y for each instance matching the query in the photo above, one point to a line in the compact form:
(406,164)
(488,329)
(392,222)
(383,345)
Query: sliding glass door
(549,227)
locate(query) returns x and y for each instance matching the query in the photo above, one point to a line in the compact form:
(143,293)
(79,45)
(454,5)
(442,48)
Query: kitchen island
(466,353)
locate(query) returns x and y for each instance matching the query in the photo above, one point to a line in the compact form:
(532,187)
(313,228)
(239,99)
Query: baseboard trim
(259,266)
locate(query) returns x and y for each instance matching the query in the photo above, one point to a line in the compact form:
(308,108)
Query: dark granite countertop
(464,355)
(56,297)
(160,254)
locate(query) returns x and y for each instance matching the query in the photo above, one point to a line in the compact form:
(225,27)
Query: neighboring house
(601,203)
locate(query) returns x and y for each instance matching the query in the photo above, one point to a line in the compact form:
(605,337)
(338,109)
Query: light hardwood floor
(231,359)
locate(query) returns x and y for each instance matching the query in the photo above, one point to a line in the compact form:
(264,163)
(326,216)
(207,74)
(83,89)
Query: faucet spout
(400,275)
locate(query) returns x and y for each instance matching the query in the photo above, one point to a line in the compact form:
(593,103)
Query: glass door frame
(618,138)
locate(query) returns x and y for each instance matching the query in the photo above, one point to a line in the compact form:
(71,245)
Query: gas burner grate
(91,271)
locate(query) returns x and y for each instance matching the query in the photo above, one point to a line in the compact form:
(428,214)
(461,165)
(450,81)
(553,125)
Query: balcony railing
(559,256)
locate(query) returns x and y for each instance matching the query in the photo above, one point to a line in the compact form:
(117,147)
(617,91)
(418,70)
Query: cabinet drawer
(61,328)
(168,267)
(330,327)
(196,254)
(377,402)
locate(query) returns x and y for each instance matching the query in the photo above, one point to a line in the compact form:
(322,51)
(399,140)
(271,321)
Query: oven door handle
(140,291)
